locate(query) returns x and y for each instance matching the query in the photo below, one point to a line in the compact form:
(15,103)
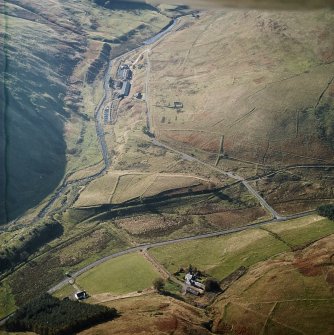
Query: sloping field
(153,314)
(290,294)
(124,274)
(262,80)
(298,189)
(98,191)
(118,187)
(222,255)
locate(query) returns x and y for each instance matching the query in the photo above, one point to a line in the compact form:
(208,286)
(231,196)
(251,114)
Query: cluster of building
(193,285)
(124,74)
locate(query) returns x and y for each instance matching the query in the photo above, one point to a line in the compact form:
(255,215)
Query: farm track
(102,298)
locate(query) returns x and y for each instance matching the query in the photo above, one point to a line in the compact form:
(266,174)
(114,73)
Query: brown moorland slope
(289,294)
(262,81)
(153,314)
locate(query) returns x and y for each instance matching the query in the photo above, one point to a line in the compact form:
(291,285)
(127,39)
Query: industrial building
(124,92)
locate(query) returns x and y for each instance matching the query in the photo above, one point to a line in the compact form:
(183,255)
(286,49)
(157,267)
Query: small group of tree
(212,285)
(48,315)
(159,284)
(327,211)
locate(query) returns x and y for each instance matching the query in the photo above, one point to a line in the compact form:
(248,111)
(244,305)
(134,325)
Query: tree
(327,211)
(212,285)
(158,284)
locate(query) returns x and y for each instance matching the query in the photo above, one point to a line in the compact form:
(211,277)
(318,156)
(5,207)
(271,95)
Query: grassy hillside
(257,93)
(289,273)
(34,110)
(114,276)
(288,288)
(153,314)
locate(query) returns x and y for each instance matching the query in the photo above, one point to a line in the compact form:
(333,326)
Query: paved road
(141,247)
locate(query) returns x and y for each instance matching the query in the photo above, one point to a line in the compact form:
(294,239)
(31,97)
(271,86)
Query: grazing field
(125,274)
(302,231)
(118,187)
(221,256)
(7,303)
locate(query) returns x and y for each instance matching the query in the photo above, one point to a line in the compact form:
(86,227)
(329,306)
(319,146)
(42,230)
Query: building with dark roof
(81,295)
(124,92)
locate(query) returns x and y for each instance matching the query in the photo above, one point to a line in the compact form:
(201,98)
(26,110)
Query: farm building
(125,74)
(191,280)
(178,104)
(124,92)
(118,84)
(81,295)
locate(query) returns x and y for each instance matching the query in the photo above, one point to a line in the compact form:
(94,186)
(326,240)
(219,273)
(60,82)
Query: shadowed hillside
(36,66)
(46,50)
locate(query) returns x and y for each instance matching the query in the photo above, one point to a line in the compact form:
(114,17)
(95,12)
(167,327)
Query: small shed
(178,104)
(81,295)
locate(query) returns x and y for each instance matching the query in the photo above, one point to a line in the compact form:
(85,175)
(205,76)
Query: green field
(222,255)
(121,275)
(300,232)
(7,303)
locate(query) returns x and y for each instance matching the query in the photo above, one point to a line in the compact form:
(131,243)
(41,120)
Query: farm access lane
(144,247)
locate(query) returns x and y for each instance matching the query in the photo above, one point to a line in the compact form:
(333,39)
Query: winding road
(106,158)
